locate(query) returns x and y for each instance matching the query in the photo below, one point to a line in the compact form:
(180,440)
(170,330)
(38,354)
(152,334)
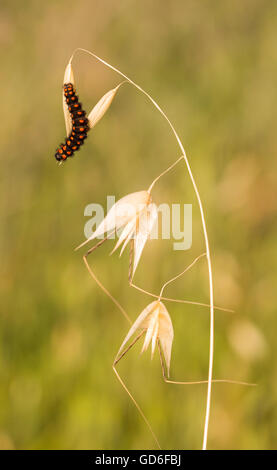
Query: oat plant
(136,224)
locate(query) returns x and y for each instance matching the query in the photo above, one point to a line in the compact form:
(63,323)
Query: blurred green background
(212,66)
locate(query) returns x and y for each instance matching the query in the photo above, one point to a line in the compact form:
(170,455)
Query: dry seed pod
(156,320)
(102,107)
(68,78)
(135,214)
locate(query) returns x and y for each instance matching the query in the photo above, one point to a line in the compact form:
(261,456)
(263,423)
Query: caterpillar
(79,125)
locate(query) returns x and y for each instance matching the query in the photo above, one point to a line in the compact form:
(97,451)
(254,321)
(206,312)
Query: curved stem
(117,359)
(197,382)
(181,274)
(223,381)
(179,301)
(163,173)
(211,347)
(105,290)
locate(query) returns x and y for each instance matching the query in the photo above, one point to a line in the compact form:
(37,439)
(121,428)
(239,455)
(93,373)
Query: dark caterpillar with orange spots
(80,126)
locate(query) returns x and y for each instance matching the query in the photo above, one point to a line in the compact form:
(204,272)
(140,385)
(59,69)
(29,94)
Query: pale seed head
(135,214)
(68,78)
(102,107)
(156,321)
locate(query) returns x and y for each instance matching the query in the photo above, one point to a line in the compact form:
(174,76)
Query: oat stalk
(203,220)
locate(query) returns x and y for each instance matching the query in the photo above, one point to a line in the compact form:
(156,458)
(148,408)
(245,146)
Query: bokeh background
(213,67)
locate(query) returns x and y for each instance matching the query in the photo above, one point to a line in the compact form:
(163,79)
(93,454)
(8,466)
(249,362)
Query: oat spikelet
(102,106)
(135,214)
(68,78)
(156,321)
